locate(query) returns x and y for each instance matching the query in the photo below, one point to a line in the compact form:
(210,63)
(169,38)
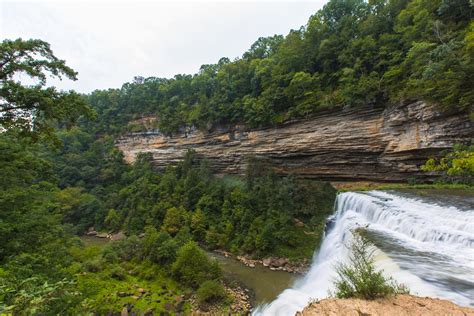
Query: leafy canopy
(35,108)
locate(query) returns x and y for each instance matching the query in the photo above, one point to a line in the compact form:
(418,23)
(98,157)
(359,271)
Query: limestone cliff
(371,144)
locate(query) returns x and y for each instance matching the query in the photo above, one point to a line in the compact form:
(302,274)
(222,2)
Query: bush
(124,250)
(359,279)
(159,247)
(210,292)
(456,165)
(118,273)
(192,267)
(93,265)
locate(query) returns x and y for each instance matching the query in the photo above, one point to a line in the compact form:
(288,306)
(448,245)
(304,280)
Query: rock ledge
(363,144)
(400,305)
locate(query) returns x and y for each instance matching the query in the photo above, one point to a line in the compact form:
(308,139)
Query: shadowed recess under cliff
(374,144)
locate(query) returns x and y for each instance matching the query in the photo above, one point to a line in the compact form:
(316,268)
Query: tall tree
(35,108)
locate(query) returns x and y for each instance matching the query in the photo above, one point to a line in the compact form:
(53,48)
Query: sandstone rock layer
(400,305)
(363,144)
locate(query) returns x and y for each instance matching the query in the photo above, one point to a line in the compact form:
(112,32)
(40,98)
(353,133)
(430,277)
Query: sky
(109,42)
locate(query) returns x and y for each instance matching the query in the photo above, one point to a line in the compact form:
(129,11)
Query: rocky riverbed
(272,263)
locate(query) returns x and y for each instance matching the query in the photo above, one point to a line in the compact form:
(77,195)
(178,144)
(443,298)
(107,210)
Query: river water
(264,283)
(424,240)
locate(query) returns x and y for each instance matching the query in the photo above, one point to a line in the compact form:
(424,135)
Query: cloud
(109,43)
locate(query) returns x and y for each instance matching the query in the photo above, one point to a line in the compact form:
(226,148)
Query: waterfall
(426,246)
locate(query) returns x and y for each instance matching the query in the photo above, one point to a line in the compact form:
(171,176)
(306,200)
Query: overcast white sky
(110,42)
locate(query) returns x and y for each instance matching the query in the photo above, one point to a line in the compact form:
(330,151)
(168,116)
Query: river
(264,283)
(423,239)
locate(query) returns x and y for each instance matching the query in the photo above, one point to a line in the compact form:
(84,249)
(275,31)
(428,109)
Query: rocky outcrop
(372,144)
(400,305)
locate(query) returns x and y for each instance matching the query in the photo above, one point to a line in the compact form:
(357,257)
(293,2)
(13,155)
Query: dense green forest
(50,195)
(350,53)
(60,173)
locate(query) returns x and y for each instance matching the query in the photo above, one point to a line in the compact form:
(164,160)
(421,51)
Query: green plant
(118,273)
(93,265)
(193,267)
(360,279)
(455,164)
(210,292)
(36,296)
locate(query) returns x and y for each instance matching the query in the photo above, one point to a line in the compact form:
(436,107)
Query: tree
(173,221)
(193,267)
(34,109)
(112,221)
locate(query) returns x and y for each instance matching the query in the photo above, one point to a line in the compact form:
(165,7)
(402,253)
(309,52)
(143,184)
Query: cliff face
(348,145)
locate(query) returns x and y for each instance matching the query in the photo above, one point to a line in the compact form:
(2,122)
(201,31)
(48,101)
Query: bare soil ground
(399,305)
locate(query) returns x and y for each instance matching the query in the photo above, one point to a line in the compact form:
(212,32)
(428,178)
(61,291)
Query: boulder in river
(117,236)
(102,235)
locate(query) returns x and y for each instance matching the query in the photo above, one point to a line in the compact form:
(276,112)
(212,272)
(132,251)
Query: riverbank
(399,305)
(272,263)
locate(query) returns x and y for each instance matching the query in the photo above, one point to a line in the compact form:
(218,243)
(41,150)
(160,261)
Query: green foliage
(360,279)
(350,53)
(112,221)
(159,247)
(173,221)
(122,250)
(193,267)
(35,296)
(79,208)
(118,273)
(456,164)
(210,292)
(34,109)
(93,265)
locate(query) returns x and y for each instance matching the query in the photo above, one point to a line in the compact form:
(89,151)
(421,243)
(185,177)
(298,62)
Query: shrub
(193,267)
(159,247)
(125,249)
(210,292)
(360,279)
(118,273)
(93,265)
(456,165)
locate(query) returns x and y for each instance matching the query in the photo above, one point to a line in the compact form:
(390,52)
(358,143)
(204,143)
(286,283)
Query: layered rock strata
(363,144)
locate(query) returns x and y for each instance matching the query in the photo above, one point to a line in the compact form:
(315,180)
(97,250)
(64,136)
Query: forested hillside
(61,173)
(350,53)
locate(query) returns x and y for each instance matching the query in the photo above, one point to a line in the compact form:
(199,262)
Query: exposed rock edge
(363,144)
(400,305)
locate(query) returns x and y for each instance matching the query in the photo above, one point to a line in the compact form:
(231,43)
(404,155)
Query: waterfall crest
(426,246)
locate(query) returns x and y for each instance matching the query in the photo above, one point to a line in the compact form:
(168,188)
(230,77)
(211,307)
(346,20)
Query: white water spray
(428,247)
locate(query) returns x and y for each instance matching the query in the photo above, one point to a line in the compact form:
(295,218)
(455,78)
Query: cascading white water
(426,246)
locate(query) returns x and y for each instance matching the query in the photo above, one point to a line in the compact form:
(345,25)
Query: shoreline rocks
(240,305)
(112,236)
(272,263)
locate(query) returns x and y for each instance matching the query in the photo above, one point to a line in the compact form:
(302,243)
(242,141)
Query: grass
(363,186)
(103,292)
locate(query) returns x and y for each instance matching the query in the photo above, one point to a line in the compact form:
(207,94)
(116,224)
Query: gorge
(372,144)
